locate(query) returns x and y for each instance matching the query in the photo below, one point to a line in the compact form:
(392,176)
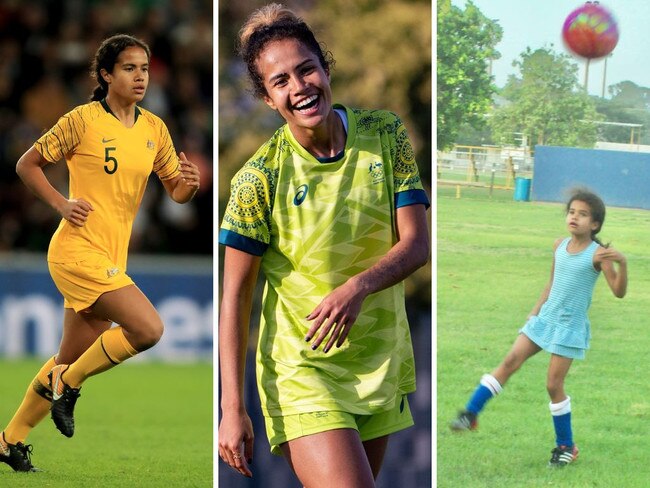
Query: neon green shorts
(282,429)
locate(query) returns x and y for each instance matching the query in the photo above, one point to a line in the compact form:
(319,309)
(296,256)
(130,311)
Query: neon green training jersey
(316,224)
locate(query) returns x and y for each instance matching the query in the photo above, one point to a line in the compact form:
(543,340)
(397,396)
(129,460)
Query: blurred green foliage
(466,41)
(546,102)
(629,104)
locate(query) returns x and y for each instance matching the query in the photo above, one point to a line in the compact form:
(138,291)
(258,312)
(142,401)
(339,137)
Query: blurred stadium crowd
(45,52)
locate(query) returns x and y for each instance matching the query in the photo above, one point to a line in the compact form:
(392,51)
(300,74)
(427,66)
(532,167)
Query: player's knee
(149,335)
(512,362)
(554,387)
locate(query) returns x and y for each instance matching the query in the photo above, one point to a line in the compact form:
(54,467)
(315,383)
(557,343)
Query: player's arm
(30,169)
(340,308)
(183,187)
(239,278)
(616,279)
(547,289)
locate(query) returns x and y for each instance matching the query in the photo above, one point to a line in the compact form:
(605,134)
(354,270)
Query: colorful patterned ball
(590,31)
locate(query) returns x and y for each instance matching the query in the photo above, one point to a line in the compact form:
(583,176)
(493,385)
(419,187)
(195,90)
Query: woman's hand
(338,311)
(190,172)
(336,314)
(76,211)
(184,186)
(236,429)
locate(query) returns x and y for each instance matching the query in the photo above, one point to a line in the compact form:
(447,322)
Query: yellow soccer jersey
(109,165)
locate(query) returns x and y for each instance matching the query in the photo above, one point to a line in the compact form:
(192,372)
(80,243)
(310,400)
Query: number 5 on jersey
(111,166)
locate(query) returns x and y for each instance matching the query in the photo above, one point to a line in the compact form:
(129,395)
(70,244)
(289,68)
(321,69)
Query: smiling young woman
(332,210)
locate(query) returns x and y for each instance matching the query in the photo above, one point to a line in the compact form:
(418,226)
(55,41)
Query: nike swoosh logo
(55,388)
(104,141)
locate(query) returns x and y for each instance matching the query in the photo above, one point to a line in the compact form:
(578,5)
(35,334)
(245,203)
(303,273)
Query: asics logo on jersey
(301,194)
(104,140)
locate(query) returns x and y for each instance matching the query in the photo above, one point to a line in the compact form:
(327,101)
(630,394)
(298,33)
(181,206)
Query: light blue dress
(562,326)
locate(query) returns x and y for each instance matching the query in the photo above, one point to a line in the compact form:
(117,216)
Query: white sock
(560,408)
(491,383)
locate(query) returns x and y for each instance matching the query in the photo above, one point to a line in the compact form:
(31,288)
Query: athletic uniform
(316,224)
(562,326)
(109,165)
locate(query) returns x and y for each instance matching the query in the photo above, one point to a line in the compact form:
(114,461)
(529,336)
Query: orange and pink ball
(590,31)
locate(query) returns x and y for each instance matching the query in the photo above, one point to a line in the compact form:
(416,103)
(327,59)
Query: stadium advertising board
(31,308)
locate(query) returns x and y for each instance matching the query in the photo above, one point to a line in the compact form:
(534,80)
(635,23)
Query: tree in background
(466,45)
(629,104)
(546,103)
(629,94)
(383,60)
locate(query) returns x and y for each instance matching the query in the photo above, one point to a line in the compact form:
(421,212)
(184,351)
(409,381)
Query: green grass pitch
(493,260)
(139,424)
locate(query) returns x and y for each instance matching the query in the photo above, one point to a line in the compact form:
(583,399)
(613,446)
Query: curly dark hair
(272,23)
(596,205)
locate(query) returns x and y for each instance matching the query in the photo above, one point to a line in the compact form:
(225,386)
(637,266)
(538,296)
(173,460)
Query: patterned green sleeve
(248,213)
(405,169)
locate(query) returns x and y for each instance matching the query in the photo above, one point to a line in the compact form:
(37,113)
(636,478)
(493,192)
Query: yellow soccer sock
(110,349)
(34,407)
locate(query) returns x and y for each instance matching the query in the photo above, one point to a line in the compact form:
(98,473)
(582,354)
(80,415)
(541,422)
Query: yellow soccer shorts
(286,428)
(82,282)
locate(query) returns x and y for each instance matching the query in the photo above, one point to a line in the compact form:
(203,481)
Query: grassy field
(494,258)
(140,425)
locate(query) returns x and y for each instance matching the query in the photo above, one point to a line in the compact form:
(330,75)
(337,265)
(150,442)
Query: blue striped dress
(562,326)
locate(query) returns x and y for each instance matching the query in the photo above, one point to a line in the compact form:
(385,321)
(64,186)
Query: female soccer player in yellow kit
(111,146)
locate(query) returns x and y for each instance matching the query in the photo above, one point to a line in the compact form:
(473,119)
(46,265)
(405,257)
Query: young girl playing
(558,322)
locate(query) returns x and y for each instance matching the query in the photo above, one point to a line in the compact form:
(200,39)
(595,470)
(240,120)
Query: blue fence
(620,178)
(31,308)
